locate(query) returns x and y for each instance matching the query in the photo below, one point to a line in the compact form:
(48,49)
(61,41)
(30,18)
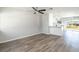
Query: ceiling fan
(39,11)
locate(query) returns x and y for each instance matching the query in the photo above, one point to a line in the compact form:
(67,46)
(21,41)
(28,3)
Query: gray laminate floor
(36,43)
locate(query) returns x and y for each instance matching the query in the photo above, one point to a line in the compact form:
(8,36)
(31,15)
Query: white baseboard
(18,38)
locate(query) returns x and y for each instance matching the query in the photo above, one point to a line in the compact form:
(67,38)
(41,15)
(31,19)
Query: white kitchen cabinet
(56,31)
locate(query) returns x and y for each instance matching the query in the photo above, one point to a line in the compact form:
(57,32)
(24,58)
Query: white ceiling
(23,8)
(55,9)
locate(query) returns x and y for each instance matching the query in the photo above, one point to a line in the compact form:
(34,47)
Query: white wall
(45,22)
(65,11)
(18,22)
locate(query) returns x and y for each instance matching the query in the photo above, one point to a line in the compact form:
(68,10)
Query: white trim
(56,34)
(18,38)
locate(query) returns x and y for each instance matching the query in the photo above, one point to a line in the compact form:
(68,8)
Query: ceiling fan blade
(42,10)
(34,8)
(37,10)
